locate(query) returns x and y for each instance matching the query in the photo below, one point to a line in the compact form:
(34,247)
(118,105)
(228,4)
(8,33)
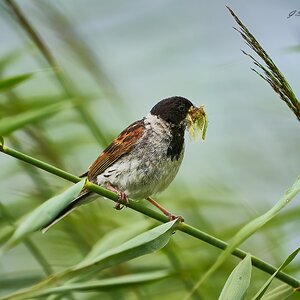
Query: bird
(143,160)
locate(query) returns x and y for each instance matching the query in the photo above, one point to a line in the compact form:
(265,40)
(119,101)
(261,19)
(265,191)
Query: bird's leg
(122,197)
(165,212)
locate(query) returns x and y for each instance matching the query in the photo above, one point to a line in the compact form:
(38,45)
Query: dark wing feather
(120,146)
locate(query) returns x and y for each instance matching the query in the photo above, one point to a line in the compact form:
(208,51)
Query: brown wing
(120,146)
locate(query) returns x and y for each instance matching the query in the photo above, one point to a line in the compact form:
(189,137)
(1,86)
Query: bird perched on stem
(145,158)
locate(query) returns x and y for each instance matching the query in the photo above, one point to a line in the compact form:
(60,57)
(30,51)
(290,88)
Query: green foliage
(279,293)
(145,243)
(108,284)
(44,214)
(11,82)
(252,227)
(12,123)
(238,282)
(260,294)
(61,122)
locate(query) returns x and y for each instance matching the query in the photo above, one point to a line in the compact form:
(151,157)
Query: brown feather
(120,146)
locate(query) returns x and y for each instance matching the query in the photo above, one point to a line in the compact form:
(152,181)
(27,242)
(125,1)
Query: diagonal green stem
(68,88)
(188,229)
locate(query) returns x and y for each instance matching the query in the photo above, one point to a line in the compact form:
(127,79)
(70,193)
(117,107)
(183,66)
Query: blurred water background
(149,50)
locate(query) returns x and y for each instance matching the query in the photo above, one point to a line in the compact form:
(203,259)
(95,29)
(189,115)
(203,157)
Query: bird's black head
(173,110)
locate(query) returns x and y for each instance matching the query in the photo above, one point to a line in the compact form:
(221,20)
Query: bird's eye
(181,107)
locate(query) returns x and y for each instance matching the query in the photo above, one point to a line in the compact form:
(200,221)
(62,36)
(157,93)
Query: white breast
(147,169)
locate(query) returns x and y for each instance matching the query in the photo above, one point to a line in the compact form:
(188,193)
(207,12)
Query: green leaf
(147,242)
(238,282)
(264,288)
(5,233)
(280,293)
(260,221)
(12,123)
(44,214)
(106,284)
(117,236)
(10,82)
(251,227)
(1,142)
(35,102)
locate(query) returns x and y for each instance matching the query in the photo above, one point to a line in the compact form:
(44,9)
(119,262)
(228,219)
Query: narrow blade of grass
(10,82)
(280,293)
(12,123)
(43,214)
(106,284)
(35,102)
(70,89)
(83,53)
(238,282)
(264,288)
(250,229)
(145,243)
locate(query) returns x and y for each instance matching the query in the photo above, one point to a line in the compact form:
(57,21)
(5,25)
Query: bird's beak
(197,121)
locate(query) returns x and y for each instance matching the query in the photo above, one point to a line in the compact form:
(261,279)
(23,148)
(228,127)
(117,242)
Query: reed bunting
(145,158)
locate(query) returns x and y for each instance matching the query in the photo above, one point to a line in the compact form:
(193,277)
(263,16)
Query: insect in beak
(197,122)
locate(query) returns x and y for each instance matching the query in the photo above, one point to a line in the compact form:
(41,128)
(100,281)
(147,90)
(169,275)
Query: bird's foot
(165,212)
(122,197)
(174,217)
(122,200)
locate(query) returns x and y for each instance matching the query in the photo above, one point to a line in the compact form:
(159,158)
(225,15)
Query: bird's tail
(67,210)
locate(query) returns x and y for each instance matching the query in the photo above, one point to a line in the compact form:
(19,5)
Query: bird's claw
(122,200)
(174,217)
